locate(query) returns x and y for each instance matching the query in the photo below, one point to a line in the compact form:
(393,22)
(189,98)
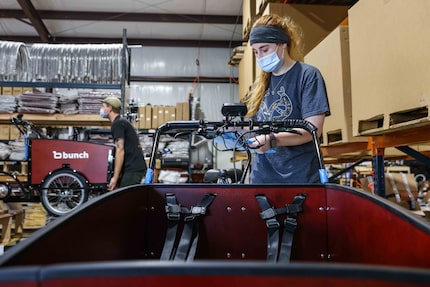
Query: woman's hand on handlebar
(260,143)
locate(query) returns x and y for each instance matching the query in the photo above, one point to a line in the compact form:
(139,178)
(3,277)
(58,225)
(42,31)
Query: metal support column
(378,168)
(124,77)
(378,165)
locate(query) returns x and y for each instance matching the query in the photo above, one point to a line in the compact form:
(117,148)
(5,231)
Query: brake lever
(208,132)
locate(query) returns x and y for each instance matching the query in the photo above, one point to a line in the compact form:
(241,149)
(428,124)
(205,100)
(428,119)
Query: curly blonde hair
(294,50)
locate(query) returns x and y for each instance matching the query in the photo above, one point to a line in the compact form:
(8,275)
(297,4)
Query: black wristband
(272,140)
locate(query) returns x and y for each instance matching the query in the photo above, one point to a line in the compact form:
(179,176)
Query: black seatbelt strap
(188,243)
(290,225)
(173,212)
(269,214)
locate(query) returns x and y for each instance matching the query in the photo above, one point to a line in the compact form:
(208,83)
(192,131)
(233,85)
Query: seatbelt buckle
(173,216)
(195,211)
(290,224)
(268,213)
(198,210)
(272,223)
(173,212)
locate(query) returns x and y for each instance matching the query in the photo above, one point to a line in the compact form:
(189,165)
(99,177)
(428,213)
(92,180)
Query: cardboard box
(17,91)
(179,110)
(331,57)
(402,189)
(161,111)
(389,66)
(157,116)
(185,111)
(155,111)
(14,133)
(148,123)
(260,6)
(169,113)
(315,29)
(166,114)
(249,12)
(7,91)
(247,72)
(172,113)
(27,90)
(145,117)
(4,132)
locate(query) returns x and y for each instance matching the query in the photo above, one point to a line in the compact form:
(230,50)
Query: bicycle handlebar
(263,126)
(19,121)
(211,129)
(24,126)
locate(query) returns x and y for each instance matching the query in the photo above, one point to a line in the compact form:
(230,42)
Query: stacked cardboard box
(145,117)
(14,91)
(314,28)
(331,57)
(389,65)
(247,71)
(6,91)
(17,91)
(151,117)
(9,132)
(4,132)
(249,12)
(183,111)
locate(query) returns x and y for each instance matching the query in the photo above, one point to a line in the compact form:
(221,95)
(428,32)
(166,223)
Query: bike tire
(63,191)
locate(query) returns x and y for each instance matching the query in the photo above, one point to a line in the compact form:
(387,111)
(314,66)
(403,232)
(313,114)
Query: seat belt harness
(173,212)
(280,252)
(187,243)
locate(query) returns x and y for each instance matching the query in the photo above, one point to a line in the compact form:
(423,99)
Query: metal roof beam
(130,17)
(217,80)
(130,41)
(31,13)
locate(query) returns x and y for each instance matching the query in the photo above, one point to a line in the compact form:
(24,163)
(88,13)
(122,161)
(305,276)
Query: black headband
(268,34)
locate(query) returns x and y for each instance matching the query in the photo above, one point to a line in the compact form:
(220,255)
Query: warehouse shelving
(78,119)
(61,85)
(59,119)
(375,149)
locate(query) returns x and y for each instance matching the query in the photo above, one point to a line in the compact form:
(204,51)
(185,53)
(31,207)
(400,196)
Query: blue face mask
(270,63)
(103,114)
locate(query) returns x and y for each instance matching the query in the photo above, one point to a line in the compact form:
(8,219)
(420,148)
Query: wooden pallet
(19,166)
(9,219)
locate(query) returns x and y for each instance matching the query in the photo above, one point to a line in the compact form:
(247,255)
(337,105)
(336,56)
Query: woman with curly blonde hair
(287,89)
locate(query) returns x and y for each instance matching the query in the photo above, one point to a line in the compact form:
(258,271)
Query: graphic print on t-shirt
(276,107)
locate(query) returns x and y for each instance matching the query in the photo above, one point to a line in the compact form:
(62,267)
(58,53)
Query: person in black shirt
(129,165)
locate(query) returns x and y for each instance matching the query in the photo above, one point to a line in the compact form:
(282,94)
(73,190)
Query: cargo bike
(236,234)
(62,174)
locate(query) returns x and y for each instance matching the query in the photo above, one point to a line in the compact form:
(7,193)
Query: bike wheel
(63,191)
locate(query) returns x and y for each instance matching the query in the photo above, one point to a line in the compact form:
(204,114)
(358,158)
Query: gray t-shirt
(297,94)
